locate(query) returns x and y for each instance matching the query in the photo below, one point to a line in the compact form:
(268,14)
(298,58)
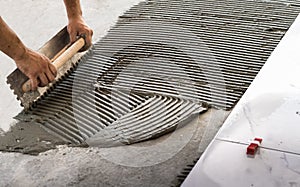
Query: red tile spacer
(258,139)
(253,146)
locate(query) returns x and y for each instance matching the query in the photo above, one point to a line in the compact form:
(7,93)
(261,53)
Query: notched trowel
(59,50)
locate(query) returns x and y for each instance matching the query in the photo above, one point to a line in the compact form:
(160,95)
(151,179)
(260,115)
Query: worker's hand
(36,67)
(77,27)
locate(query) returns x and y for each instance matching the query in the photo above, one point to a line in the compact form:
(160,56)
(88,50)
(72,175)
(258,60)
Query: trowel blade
(16,79)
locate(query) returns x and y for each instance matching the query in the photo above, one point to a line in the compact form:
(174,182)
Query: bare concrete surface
(134,165)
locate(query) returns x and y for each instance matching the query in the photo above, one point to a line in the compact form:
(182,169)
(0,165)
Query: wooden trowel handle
(58,61)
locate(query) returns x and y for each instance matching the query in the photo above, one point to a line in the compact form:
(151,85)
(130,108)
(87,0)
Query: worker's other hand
(37,68)
(77,27)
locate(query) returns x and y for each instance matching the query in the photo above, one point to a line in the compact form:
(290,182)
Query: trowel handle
(69,53)
(62,57)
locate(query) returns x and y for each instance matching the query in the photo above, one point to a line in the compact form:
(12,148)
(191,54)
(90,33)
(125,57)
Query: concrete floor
(152,163)
(136,165)
(155,162)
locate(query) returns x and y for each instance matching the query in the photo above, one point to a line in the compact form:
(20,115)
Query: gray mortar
(49,17)
(66,166)
(28,137)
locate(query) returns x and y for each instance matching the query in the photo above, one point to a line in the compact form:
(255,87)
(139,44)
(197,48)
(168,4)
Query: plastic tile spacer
(258,139)
(253,146)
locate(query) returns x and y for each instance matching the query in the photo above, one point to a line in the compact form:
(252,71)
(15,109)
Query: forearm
(35,66)
(73,9)
(10,44)
(77,26)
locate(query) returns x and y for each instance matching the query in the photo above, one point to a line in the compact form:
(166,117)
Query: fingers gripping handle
(69,53)
(60,60)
